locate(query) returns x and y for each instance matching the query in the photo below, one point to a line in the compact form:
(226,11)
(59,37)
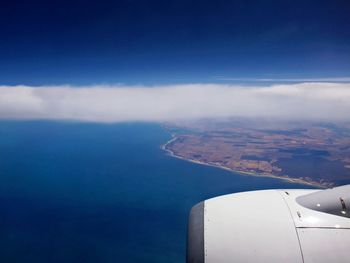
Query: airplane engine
(271,226)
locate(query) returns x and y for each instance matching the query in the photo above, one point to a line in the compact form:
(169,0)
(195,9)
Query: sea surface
(77,192)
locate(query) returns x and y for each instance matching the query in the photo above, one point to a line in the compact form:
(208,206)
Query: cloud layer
(306,101)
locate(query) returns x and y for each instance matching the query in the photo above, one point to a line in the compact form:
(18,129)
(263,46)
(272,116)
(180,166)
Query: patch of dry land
(310,153)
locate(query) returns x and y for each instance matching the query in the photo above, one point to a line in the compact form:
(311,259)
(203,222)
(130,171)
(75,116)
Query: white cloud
(305,101)
(279,80)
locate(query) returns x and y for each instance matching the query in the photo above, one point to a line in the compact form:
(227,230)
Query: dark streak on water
(74,192)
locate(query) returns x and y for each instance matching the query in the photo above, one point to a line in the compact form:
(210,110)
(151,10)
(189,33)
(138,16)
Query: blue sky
(169,42)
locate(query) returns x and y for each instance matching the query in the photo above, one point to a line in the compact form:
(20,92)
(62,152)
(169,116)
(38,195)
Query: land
(309,153)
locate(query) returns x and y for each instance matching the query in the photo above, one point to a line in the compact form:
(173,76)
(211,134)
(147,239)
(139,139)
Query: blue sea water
(77,192)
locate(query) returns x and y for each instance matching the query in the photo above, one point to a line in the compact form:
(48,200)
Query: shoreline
(285,178)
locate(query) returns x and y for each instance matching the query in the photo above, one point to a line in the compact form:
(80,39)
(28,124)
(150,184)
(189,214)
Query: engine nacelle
(271,226)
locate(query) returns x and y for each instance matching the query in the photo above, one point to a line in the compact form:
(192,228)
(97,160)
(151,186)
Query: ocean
(85,192)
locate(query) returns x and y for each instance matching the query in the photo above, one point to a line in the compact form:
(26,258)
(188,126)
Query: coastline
(285,178)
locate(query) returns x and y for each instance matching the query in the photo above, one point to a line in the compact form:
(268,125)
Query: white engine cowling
(271,226)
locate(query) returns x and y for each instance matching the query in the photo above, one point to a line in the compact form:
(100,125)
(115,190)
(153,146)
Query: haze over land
(303,101)
(304,152)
